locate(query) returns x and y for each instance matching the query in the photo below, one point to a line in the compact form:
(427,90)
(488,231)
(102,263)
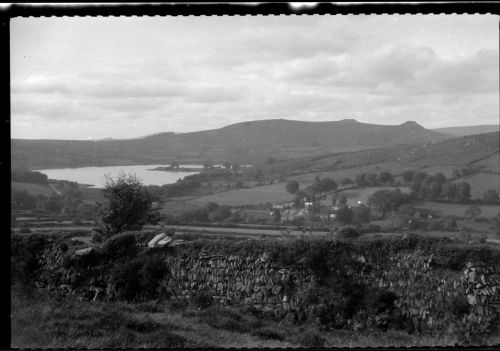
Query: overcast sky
(82,78)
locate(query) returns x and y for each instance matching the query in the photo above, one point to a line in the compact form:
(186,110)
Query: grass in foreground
(42,321)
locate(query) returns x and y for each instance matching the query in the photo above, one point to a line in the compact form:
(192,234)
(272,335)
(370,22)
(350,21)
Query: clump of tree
(361,214)
(292,186)
(437,187)
(323,185)
(385,201)
(127,205)
(462,172)
(346,181)
(344,214)
(491,196)
(373,179)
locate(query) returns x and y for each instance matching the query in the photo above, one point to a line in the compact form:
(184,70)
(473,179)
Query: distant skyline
(92,78)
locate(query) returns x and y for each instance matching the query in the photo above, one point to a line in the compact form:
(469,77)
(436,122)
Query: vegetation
(127,205)
(385,201)
(28,177)
(292,186)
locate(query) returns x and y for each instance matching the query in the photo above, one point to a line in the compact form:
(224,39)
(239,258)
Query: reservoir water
(95,175)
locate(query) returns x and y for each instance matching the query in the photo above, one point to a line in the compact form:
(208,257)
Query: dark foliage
(123,244)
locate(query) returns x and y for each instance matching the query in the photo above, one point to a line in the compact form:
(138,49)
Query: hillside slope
(458,152)
(469,130)
(247,142)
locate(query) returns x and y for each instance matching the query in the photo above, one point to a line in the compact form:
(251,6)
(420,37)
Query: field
(31,188)
(457,209)
(177,206)
(491,163)
(251,196)
(481,182)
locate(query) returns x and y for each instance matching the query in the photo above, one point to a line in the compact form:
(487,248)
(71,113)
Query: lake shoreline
(94,177)
(170,169)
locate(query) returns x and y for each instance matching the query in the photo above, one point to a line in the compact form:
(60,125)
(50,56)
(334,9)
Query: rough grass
(43,321)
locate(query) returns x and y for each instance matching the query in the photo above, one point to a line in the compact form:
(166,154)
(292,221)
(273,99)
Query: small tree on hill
(491,196)
(127,205)
(463,192)
(385,177)
(344,214)
(472,212)
(292,186)
(346,181)
(361,214)
(385,201)
(408,176)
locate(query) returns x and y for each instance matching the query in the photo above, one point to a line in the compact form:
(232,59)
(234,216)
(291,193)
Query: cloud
(188,74)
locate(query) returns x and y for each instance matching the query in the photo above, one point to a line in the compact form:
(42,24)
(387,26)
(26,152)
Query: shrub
(96,237)
(311,340)
(145,236)
(370,228)
(127,205)
(202,300)
(122,244)
(348,233)
(139,277)
(268,333)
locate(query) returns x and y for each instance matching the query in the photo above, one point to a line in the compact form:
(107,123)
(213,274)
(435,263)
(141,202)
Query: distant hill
(460,152)
(469,130)
(247,142)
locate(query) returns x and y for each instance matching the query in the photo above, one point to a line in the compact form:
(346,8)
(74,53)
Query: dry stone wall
(426,288)
(253,281)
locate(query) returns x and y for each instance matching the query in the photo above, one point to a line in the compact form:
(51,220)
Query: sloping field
(457,209)
(252,196)
(491,163)
(31,188)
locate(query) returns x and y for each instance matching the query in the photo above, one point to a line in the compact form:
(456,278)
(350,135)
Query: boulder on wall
(157,239)
(164,239)
(84,252)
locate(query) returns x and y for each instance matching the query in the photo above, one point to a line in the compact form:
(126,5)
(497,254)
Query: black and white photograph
(269,181)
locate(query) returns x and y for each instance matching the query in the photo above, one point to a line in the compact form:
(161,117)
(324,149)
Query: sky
(125,77)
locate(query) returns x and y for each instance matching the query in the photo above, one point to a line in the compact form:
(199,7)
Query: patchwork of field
(250,196)
(393,167)
(457,209)
(31,188)
(481,182)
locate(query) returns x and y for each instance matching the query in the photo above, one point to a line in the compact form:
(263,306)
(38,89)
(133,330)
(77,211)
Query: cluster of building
(289,211)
